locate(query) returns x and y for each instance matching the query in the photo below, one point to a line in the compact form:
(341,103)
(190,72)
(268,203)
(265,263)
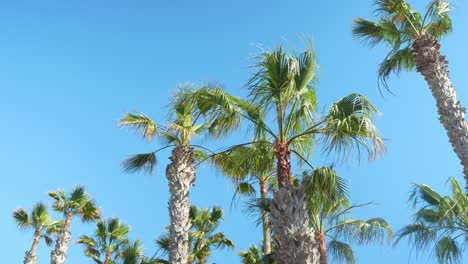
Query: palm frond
(141,123)
(341,252)
(21,218)
(448,251)
(396,62)
(373,33)
(146,162)
(350,126)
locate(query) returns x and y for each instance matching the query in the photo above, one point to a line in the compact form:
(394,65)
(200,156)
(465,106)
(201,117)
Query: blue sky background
(70,69)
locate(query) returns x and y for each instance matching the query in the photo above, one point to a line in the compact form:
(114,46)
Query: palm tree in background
(254,256)
(283,89)
(413,40)
(76,203)
(246,166)
(202,236)
(38,220)
(187,123)
(440,222)
(109,239)
(328,206)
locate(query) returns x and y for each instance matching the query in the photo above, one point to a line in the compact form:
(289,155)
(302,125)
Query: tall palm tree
(246,166)
(38,220)
(283,89)
(413,40)
(187,123)
(328,206)
(440,222)
(76,203)
(202,236)
(108,240)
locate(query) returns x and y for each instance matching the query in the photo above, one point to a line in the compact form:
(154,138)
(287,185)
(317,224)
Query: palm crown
(328,205)
(77,202)
(109,240)
(39,220)
(440,222)
(398,26)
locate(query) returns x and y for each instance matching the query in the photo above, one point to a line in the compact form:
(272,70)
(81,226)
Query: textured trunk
(59,254)
(283,164)
(293,238)
(322,245)
(180,174)
(265,222)
(433,66)
(30,256)
(108,257)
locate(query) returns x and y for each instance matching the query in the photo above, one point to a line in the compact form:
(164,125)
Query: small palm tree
(328,206)
(76,203)
(254,256)
(40,221)
(440,222)
(202,236)
(413,39)
(109,239)
(247,166)
(187,123)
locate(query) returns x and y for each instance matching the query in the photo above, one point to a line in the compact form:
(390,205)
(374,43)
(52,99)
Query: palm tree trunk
(433,66)
(265,221)
(320,236)
(283,164)
(30,257)
(180,174)
(293,238)
(108,257)
(62,243)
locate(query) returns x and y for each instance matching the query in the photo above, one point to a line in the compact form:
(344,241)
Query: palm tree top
(440,222)
(397,26)
(76,202)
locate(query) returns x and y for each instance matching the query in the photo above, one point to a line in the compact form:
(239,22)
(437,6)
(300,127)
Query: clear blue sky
(70,69)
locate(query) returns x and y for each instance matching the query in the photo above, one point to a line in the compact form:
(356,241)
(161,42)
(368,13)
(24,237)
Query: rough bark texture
(433,66)
(265,221)
(180,174)
(293,238)
(322,244)
(59,254)
(283,165)
(30,258)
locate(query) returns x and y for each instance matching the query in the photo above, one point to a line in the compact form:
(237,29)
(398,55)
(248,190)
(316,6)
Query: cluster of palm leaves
(304,218)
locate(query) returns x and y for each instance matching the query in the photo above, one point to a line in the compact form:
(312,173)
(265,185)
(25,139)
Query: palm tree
(187,123)
(76,203)
(202,236)
(414,43)
(246,166)
(109,239)
(440,222)
(253,256)
(38,220)
(328,206)
(284,84)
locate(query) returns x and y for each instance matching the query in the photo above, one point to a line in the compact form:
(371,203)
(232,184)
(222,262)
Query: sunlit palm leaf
(141,123)
(145,162)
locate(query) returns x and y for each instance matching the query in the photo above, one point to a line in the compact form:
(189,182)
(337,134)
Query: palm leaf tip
(141,123)
(21,218)
(146,162)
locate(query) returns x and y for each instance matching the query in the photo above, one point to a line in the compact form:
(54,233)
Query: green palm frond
(447,250)
(48,240)
(396,62)
(146,162)
(325,182)
(374,33)
(341,252)
(22,218)
(251,255)
(349,125)
(141,123)
(366,231)
(132,253)
(440,222)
